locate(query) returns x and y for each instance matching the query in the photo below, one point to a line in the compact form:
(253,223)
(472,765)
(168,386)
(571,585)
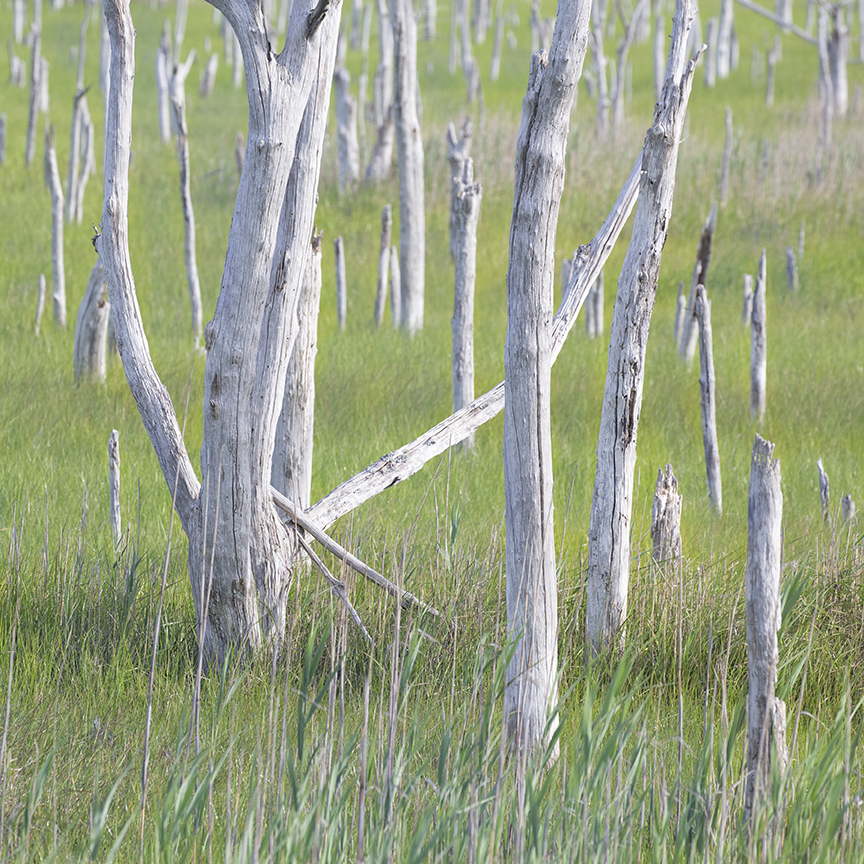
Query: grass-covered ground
(273,778)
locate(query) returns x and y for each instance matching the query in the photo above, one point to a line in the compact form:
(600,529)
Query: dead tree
(690,336)
(666,518)
(847,509)
(766,714)
(709,403)
(498,44)
(727,158)
(824,491)
(724,38)
(598,23)
(758,346)
(630,28)
(208,76)
(114,485)
(747,306)
(395,288)
(838,51)
(292,459)
(91,328)
(711,33)
(791,271)
(178,105)
(378,167)
(40,303)
(383,264)
(609,529)
(774,56)
(52,181)
(346,131)
(19,18)
(35,99)
(466,210)
(341,286)
(531,583)
(680,311)
(458,150)
(409,144)
(163,76)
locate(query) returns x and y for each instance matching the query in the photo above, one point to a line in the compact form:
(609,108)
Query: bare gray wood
(747,305)
(35,98)
(758,346)
(58,267)
(341,284)
(680,312)
(824,491)
(791,271)
(847,508)
(91,328)
(690,336)
(114,486)
(666,518)
(163,76)
(724,38)
(707,385)
(348,146)
(727,154)
(383,264)
(395,288)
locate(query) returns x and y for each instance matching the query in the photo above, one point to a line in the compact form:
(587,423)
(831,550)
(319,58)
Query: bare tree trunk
(531,583)
(395,288)
(409,143)
(709,403)
(766,714)
(838,50)
(208,77)
(680,312)
(114,485)
(383,264)
(292,458)
(847,508)
(783,10)
(598,302)
(458,150)
(659,47)
(666,518)
(824,491)
(40,303)
(497,46)
(727,158)
(711,33)
(233,522)
(378,167)
(35,97)
(690,336)
(600,63)
(383,82)
(747,307)
(791,270)
(346,131)
(74,156)
(758,346)
(826,86)
(341,287)
(163,76)
(724,39)
(481,20)
(609,531)
(178,103)
(91,327)
(19,19)
(623,50)
(466,210)
(52,180)
(453,59)
(773,57)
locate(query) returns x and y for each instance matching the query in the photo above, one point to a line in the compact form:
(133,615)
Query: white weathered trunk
(178,104)
(824,491)
(44,95)
(74,157)
(758,346)
(208,76)
(838,51)
(430,15)
(40,303)
(466,210)
(481,20)
(162,85)
(395,288)
(58,270)
(766,714)
(724,38)
(772,58)
(680,312)
(383,81)
(91,327)
(341,284)
(623,50)
(35,98)
(711,34)
(600,64)
(611,507)
(409,143)
(847,508)
(237,71)
(19,19)
(747,305)
(383,264)
(233,522)
(791,270)
(378,167)
(458,150)
(709,404)
(114,485)
(783,11)
(727,158)
(292,458)
(826,86)
(346,131)
(690,336)
(734,51)
(666,518)
(659,52)
(497,46)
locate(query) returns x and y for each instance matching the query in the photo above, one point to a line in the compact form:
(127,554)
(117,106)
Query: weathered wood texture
(458,150)
(292,459)
(666,518)
(91,327)
(824,491)
(114,485)
(341,283)
(766,714)
(465,215)
(838,51)
(383,264)
(758,346)
(707,386)
(609,529)
(378,167)
(690,336)
(409,144)
(58,269)
(711,33)
(773,58)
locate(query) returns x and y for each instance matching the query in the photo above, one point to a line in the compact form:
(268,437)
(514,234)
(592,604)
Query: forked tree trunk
(724,39)
(666,518)
(114,485)
(178,104)
(531,582)
(409,143)
(824,491)
(690,336)
(466,209)
(383,264)
(758,346)
(52,180)
(766,714)
(341,286)
(233,522)
(611,507)
(709,403)
(292,459)
(91,327)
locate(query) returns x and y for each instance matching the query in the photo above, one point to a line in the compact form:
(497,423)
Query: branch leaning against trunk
(611,507)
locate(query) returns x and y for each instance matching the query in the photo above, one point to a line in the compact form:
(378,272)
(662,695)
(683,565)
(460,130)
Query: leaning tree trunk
(532,590)
(52,179)
(292,459)
(409,144)
(91,327)
(233,524)
(611,508)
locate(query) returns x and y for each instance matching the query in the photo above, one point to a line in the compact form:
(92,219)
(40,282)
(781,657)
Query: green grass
(83,613)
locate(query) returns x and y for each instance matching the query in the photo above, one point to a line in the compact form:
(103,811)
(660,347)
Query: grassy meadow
(332,750)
